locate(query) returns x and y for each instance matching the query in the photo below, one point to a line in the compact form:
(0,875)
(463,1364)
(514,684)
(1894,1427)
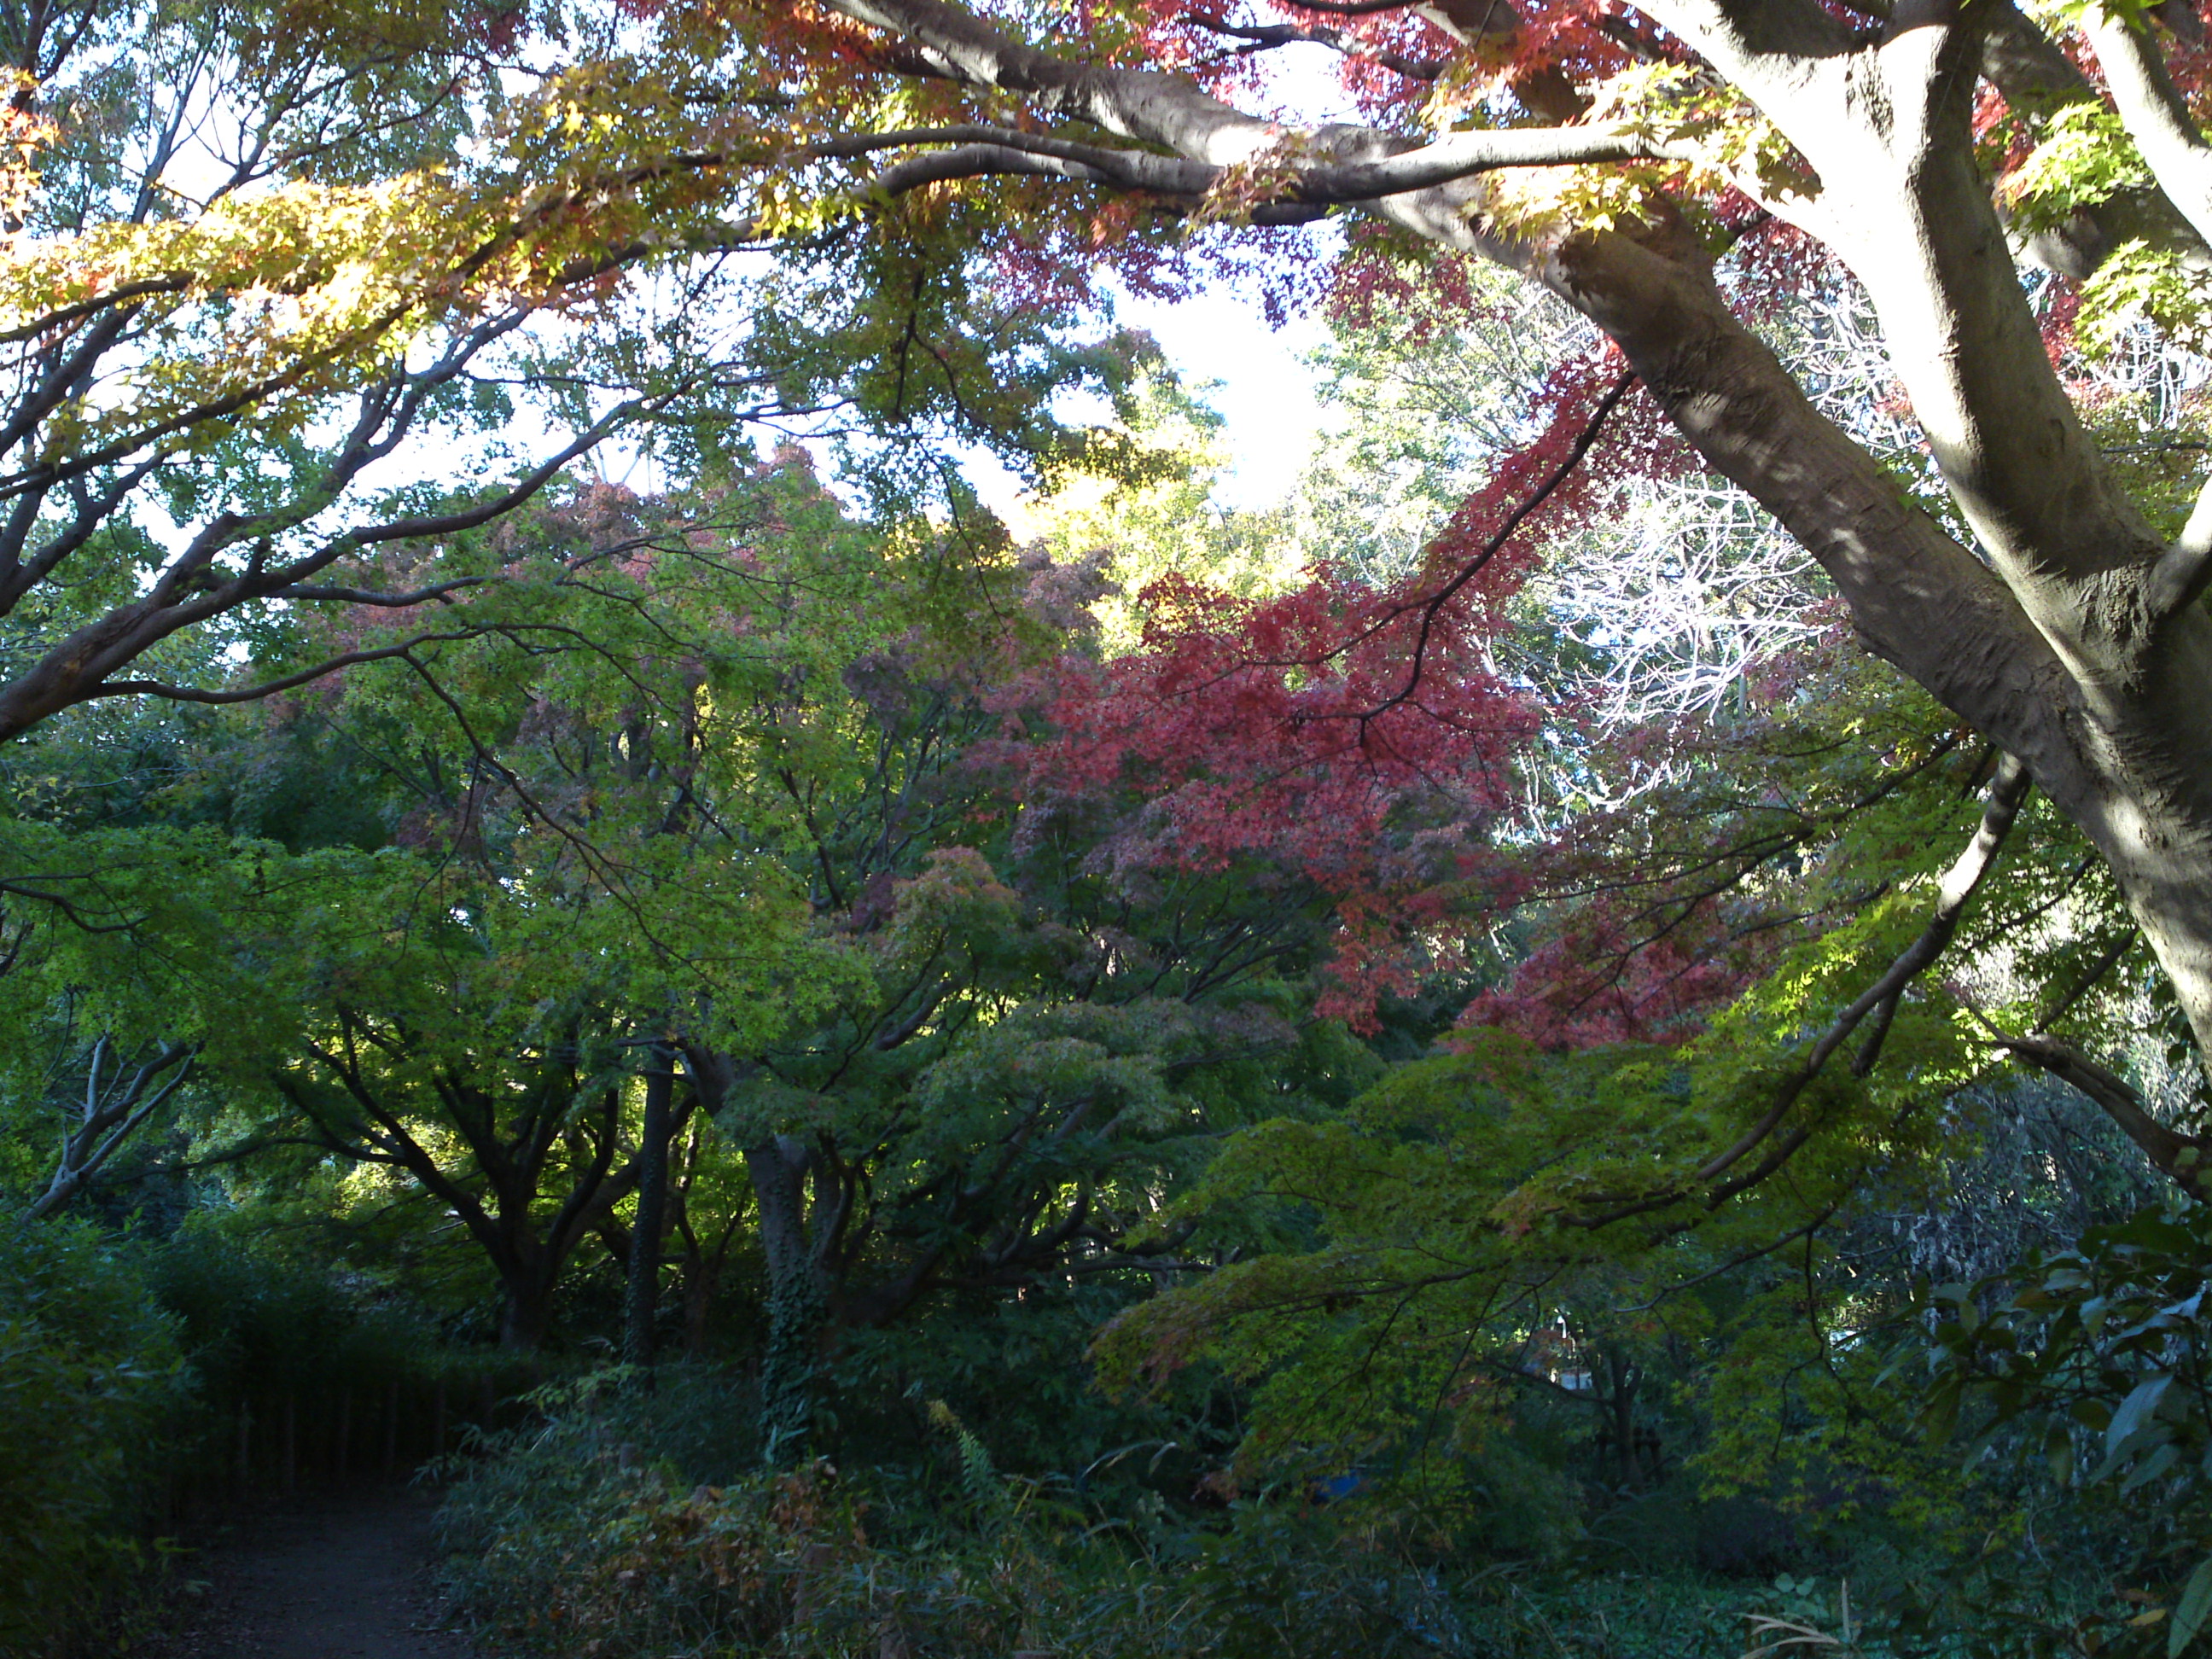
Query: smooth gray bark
(119,1100)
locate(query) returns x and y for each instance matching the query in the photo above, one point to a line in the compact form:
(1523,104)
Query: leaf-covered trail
(344,1575)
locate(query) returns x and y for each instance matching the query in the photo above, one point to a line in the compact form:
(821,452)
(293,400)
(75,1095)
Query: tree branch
(2181,1156)
(109,1118)
(983,149)
(1267,37)
(322,670)
(2006,791)
(2153,111)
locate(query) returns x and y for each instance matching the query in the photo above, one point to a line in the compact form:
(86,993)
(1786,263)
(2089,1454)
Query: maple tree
(1435,974)
(739,786)
(1603,151)
(295,300)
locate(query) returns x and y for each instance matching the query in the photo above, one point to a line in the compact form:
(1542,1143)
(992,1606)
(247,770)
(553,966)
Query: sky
(1220,344)
(1264,393)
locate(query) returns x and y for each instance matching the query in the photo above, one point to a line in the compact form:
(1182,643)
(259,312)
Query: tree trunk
(797,1298)
(641,1301)
(2111,729)
(2075,648)
(527,1311)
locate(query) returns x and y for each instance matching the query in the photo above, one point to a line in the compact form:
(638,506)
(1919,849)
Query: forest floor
(343,1575)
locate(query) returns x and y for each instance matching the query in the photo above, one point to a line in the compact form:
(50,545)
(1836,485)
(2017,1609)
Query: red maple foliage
(1361,738)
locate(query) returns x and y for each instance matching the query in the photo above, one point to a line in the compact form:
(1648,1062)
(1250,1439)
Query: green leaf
(2151,1467)
(2059,1448)
(2196,1604)
(2134,1411)
(1941,1412)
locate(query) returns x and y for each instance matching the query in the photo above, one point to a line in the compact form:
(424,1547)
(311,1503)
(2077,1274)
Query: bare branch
(1456,156)
(382,601)
(322,670)
(1267,37)
(110,1115)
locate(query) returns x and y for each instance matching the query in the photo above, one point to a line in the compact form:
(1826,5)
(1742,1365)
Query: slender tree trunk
(642,1301)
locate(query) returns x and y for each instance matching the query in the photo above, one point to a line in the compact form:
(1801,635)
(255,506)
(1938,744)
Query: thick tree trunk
(526,1312)
(2116,737)
(797,1298)
(2076,647)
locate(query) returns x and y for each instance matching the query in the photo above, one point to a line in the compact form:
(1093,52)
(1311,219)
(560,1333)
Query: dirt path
(341,1576)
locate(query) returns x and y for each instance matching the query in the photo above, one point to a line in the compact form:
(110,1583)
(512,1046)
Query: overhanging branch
(2178,1156)
(2007,792)
(975,149)
(2153,110)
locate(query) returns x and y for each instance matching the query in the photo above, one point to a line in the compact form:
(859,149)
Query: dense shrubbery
(581,1534)
(144,1381)
(93,1393)
(578,1535)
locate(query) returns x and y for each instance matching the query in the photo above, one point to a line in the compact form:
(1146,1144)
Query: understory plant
(579,1534)
(92,1394)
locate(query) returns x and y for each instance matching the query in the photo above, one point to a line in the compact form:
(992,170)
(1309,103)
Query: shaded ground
(339,1576)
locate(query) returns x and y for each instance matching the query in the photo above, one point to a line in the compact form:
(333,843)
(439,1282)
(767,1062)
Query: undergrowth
(578,1535)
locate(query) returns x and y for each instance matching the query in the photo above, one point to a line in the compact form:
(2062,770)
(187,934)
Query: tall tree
(295,300)
(2048,605)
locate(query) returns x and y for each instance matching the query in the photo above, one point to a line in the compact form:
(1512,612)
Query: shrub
(92,1393)
(579,1535)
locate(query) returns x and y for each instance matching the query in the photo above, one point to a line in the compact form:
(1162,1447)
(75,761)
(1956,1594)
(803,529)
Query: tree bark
(526,1312)
(2109,717)
(797,1298)
(641,1300)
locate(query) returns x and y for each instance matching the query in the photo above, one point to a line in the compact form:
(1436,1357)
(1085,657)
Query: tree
(729,796)
(566,856)
(2048,606)
(296,300)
